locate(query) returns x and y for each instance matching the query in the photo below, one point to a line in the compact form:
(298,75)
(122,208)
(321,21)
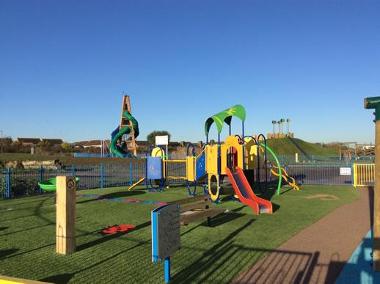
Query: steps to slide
(245,193)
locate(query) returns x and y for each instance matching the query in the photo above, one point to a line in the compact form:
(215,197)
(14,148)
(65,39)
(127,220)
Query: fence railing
(364,175)
(19,182)
(323,174)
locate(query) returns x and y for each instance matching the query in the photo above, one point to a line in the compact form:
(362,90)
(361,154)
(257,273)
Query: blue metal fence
(19,182)
(320,174)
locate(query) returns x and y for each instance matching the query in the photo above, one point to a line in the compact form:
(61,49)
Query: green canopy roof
(224,116)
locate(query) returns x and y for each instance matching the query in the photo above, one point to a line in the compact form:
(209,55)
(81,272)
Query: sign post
(165,235)
(374,103)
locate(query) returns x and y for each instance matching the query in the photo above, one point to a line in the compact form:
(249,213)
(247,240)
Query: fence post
(8,183)
(101,176)
(130,173)
(41,176)
(73,170)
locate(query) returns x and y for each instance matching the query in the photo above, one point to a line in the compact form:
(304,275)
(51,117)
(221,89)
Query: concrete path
(318,253)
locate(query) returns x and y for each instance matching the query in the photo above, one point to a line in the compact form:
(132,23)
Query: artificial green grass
(213,254)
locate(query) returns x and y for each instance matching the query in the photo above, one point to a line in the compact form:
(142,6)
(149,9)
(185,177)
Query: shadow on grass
(112,195)
(25,230)
(208,258)
(222,219)
(6,252)
(107,238)
(66,277)
(3,228)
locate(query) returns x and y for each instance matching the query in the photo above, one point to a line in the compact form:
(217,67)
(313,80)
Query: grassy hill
(286,146)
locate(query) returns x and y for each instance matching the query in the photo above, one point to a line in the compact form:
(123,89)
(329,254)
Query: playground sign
(162,140)
(165,235)
(345,171)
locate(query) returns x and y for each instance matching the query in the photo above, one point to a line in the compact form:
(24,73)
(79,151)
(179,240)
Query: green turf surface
(213,254)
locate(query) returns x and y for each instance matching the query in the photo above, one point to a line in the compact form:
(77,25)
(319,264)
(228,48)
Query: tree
(151,136)
(66,147)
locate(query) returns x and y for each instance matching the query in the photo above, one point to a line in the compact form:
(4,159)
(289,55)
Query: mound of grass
(213,254)
(285,146)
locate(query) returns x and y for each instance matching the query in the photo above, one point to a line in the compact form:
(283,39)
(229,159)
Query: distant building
(28,141)
(88,144)
(6,140)
(52,141)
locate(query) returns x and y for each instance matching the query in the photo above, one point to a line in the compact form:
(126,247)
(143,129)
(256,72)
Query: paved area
(318,253)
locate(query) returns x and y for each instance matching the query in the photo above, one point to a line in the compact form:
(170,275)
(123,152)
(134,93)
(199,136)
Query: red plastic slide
(245,193)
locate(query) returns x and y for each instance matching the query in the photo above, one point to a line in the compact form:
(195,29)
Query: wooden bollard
(65,215)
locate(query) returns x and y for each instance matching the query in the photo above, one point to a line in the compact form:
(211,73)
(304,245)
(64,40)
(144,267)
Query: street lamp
(274,126)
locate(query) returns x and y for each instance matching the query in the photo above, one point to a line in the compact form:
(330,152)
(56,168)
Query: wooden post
(374,103)
(65,215)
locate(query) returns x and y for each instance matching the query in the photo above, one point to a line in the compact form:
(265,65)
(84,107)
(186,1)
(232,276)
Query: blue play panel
(359,268)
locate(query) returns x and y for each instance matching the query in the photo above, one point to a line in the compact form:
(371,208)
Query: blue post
(101,176)
(8,183)
(41,176)
(167,270)
(73,170)
(130,173)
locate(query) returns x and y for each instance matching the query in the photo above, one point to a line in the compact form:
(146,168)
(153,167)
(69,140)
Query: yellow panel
(157,152)
(190,168)
(214,195)
(212,159)
(223,158)
(231,141)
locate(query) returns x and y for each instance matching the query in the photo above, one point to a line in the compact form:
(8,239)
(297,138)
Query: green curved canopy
(225,117)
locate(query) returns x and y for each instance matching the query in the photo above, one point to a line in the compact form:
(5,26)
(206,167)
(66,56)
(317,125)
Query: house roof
(52,141)
(29,140)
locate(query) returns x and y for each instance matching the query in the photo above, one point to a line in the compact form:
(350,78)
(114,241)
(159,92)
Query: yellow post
(355,176)
(65,215)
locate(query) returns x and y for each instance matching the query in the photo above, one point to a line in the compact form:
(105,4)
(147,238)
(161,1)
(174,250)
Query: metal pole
(167,270)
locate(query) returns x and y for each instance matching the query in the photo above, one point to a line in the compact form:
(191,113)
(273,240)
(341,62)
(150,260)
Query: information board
(165,231)
(345,171)
(162,140)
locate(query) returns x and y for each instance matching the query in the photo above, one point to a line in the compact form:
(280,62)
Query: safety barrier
(364,175)
(175,170)
(21,182)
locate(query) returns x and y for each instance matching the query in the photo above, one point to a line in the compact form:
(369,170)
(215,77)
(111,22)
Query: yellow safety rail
(136,184)
(172,168)
(364,175)
(290,180)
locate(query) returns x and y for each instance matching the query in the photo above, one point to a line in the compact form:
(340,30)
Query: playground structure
(285,176)
(123,138)
(51,184)
(242,159)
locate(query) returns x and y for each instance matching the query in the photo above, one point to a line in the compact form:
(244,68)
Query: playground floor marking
(323,197)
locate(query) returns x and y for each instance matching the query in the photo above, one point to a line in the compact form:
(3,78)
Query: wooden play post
(374,103)
(65,215)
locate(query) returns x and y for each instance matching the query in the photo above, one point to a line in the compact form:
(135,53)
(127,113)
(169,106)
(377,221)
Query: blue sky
(64,65)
